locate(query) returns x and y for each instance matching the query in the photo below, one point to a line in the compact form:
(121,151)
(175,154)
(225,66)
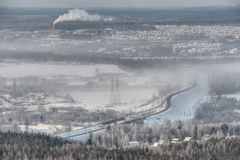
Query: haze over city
(119,80)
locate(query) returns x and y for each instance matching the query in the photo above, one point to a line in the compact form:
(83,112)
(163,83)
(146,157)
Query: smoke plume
(81,15)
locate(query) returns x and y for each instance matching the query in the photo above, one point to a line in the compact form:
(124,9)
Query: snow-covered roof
(134,143)
(187,139)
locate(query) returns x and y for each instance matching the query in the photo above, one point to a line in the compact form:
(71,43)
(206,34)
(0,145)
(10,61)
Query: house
(160,143)
(176,141)
(188,139)
(134,143)
(119,122)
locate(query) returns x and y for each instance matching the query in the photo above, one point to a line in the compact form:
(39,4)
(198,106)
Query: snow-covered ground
(87,100)
(237,111)
(45,128)
(230,67)
(99,99)
(235,96)
(38,128)
(183,105)
(5,104)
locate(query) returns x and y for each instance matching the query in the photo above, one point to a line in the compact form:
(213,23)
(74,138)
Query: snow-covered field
(234,96)
(38,128)
(89,99)
(5,104)
(99,99)
(183,105)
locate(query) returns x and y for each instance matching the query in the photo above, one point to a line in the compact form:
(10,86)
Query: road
(183,105)
(80,134)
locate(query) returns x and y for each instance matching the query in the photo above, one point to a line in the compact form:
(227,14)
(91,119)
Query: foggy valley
(120,83)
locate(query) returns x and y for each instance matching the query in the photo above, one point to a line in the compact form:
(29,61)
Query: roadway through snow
(163,107)
(81,131)
(183,105)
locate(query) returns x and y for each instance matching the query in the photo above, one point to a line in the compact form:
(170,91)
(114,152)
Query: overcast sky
(114,3)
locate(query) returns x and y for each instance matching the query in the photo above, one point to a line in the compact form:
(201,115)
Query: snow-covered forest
(26,146)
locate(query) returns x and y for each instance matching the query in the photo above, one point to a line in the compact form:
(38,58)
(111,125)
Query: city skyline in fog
(114,3)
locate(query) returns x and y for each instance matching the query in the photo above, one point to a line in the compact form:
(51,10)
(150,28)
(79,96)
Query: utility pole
(14,86)
(69,129)
(26,125)
(130,117)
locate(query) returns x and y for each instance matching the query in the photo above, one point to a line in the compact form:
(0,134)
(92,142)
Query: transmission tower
(26,125)
(15,127)
(115,96)
(112,96)
(69,129)
(210,85)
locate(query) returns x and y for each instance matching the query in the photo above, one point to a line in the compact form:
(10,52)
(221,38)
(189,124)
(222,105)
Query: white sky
(114,3)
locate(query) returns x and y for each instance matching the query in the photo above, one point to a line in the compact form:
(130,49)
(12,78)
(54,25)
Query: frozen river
(184,105)
(22,70)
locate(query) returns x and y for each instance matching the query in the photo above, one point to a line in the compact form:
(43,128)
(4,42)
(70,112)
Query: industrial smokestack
(81,15)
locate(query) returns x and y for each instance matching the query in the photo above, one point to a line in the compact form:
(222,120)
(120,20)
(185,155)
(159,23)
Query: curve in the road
(148,113)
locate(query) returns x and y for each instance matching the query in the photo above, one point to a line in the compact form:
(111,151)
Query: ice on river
(183,105)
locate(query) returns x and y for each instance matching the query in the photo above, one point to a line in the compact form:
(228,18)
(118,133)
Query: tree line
(26,146)
(219,109)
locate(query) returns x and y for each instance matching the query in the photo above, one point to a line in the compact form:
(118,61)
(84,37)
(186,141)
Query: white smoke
(81,15)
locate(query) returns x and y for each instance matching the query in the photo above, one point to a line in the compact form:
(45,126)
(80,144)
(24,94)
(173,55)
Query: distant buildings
(174,141)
